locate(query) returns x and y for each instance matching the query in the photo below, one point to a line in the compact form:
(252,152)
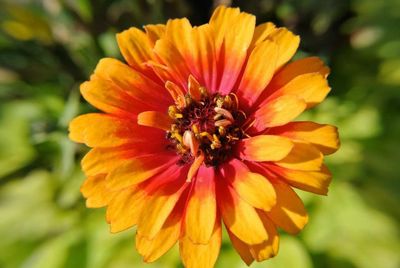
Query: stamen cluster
(206,127)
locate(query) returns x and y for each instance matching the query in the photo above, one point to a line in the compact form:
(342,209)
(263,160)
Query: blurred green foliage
(48,47)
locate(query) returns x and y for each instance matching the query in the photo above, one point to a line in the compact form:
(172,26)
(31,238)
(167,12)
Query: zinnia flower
(197,131)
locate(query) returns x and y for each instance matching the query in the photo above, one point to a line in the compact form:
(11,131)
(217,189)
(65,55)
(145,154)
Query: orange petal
(221,20)
(159,207)
(194,88)
(199,255)
(258,72)
(324,137)
(233,34)
(104,160)
(261,33)
(155,119)
(269,248)
(264,148)
(240,217)
(137,85)
(179,33)
(139,169)
(154,32)
(205,56)
(152,249)
(312,87)
(198,161)
(242,248)
(289,212)
(251,187)
(176,93)
(299,67)
(177,68)
(125,208)
(201,208)
(312,181)
(136,48)
(287,43)
(107,97)
(276,112)
(303,156)
(95,191)
(103,130)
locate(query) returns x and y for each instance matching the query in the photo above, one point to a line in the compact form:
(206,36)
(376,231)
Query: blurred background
(48,47)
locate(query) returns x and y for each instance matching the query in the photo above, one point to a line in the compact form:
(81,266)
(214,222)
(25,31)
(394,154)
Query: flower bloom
(197,131)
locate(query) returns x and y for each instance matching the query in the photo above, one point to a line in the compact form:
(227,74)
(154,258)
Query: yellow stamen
(208,135)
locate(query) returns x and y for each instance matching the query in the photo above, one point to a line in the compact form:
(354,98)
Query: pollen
(207,126)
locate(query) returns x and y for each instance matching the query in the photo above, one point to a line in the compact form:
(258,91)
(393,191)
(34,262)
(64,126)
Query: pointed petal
(264,148)
(251,187)
(289,212)
(261,33)
(201,208)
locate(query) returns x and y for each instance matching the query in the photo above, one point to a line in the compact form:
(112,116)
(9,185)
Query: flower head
(197,131)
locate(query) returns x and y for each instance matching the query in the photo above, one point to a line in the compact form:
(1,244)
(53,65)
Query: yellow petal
(324,137)
(265,148)
(152,249)
(287,43)
(299,67)
(312,181)
(277,112)
(199,255)
(125,208)
(159,207)
(289,212)
(303,156)
(313,88)
(155,119)
(179,33)
(102,130)
(143,89)
(261,33)
(95,191)
(201,208)
(269,248)
(258,72)
(240,217)
(139,169)
(242,248)
(154,32)
(136,47)
(251,187)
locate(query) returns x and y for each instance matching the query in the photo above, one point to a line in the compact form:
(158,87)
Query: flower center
(207,125)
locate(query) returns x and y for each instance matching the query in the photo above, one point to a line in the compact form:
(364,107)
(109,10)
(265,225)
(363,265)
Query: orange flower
(197,131)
